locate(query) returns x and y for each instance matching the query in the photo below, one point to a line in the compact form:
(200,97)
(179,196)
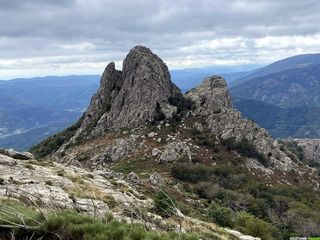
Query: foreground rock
(64,186)
(17,155)
(98,193)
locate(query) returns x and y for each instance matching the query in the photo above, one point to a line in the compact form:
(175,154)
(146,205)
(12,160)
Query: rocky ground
(99,192)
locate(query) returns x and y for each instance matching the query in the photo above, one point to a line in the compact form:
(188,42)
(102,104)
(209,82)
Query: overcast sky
(57,37)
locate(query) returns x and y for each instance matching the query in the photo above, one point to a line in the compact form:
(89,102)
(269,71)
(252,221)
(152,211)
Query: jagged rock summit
(142,93)
(131,97)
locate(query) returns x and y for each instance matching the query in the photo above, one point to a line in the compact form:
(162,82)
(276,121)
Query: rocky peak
(143,89)
(213,102)
(211,96)
(110,85)
(131,97)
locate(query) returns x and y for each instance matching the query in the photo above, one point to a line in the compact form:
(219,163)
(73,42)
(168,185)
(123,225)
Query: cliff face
(128,98)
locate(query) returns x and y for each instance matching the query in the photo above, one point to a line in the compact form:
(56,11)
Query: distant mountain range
(289,83)
(283,97)
(190,78)
(299,122)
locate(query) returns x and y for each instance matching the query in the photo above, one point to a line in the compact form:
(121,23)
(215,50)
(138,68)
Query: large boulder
(17,155)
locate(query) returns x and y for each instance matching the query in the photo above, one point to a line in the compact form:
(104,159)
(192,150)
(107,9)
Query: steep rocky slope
(307,149)
(195,147)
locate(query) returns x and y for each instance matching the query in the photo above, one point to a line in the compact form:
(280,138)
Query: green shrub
(73,225)
(204,139)
(191,172)
(221,215)
(246,149)
(258,207)
(206,190)
(159,115)
(164,205)
(229,143)
(183,104)
(256,227)
(176,118)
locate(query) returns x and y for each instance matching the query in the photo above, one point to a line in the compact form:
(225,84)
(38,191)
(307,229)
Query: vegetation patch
(182,103)
(164,205)
(232,197)
(86,190)
(246,149)
(191,172)
(27,223)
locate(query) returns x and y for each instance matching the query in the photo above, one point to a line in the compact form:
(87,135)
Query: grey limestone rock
(175,151)
(211,96)
(129,98)
(120,149)
(213,102)
(309,148)
(17,155)
(133,177)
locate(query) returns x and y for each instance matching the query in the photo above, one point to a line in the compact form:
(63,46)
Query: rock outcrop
(213,102)
(17,155)
(308,149)
(63,186)
(211,96)
(131,97)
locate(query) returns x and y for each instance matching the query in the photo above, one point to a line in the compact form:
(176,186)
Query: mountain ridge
(287,87)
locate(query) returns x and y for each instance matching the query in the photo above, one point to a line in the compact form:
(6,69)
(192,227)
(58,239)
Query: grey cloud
(99,29)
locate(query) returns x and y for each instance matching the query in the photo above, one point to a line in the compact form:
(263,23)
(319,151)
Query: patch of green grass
(76,226)
(164,205)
